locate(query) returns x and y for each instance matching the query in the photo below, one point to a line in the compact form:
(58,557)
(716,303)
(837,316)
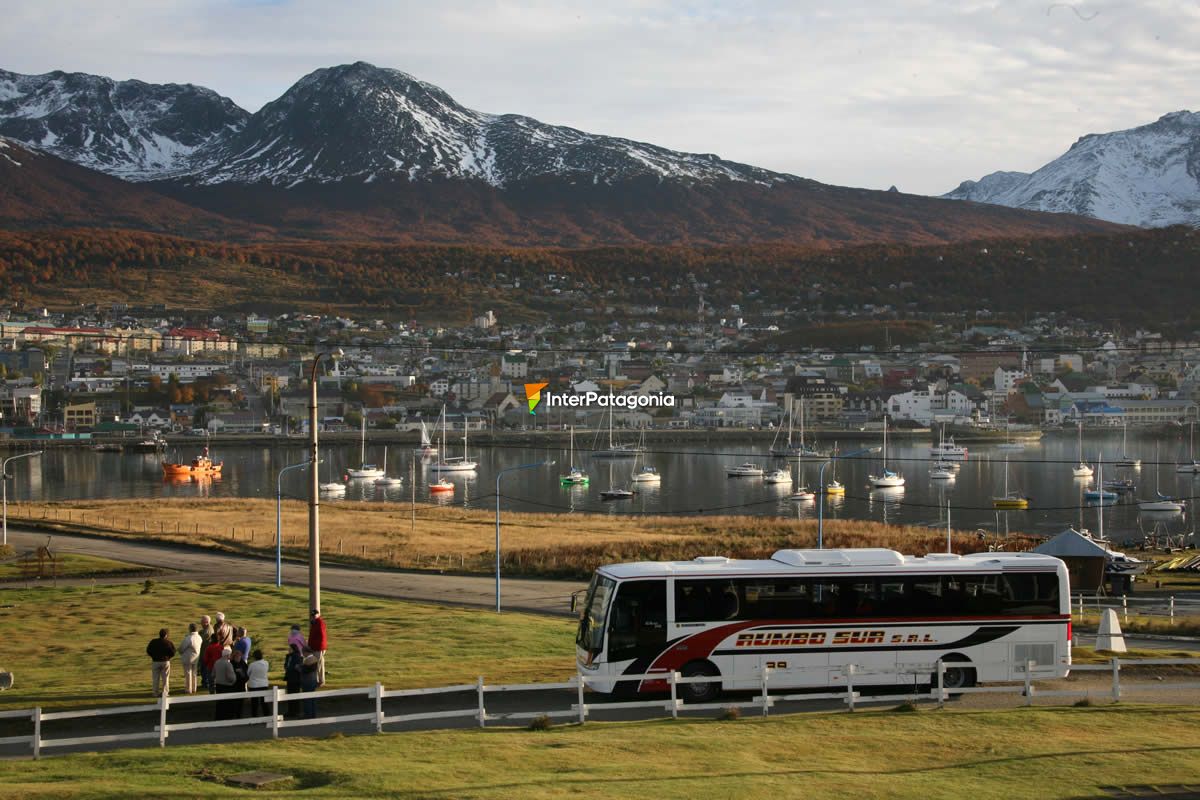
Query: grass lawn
(81,646)
(75,565)
(1027,752)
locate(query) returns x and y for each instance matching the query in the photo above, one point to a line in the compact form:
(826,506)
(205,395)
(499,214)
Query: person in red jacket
(212,654)
(318,642)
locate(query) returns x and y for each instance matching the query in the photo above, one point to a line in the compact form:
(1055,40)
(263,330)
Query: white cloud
(922,94)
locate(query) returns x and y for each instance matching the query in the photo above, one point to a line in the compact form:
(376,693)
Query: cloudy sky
(916,93)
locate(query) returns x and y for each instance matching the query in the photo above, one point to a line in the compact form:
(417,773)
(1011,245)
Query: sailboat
(1082,470)
(1163,503)
(778,476)
(385,479)
(886,479)
(1009,500)
(647,474)
(331,488)
(1008,443)
(615,492)
(835,488)
(800,451)
(454,463)
(1127,460)
(426,449)
(1100,494)
(575,476)
(1193,467)
(615,450)
(945,449)
(364,470)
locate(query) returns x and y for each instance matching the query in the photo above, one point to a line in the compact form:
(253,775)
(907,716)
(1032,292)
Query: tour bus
(809,614)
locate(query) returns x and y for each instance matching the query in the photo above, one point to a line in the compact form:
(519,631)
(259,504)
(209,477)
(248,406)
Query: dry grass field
(563,545)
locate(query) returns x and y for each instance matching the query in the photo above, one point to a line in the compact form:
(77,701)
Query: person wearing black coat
(293,663)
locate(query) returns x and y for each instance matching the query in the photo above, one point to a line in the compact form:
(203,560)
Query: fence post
(274,712)
(580,681)
(1125,609)
(164,701)
(1172,608)
(37,732)
(1028,683)
(479,693)
(1116,679)
(941,683)
(673,681)
(378,707)
(850,685)
(766,701)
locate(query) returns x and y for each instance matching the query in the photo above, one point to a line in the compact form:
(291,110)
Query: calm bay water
(693,482)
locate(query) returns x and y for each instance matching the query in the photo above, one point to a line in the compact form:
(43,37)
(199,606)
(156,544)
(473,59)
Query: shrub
(542,723)
(729,714)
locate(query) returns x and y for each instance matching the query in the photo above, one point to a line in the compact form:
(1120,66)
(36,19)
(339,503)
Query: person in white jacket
(257,671)
(189,655)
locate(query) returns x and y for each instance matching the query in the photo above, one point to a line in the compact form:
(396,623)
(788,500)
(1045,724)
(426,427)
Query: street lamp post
(314,505)
(279,522)
(4,478)
(821,489)
(500,474)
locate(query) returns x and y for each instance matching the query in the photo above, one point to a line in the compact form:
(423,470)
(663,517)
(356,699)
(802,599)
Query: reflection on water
(693,482)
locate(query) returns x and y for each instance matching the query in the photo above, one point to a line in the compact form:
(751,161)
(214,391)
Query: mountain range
(359,152)
(1147,176)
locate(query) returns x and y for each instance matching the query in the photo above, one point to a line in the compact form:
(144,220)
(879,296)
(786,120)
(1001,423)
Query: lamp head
(337,354)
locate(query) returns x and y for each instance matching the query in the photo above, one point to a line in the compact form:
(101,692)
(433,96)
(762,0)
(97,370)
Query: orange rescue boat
(201,465)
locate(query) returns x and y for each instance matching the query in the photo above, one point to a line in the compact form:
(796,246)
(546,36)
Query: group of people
(224,660)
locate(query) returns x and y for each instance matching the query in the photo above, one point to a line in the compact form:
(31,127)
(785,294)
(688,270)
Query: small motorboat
(778,476)
(616,494)
(441,486)
(746,470)
(940,473)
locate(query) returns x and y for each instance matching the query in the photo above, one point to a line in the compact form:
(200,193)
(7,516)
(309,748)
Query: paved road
(539,596)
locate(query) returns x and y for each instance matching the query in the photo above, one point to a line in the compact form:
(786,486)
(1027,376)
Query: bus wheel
(957,676)
(700,692)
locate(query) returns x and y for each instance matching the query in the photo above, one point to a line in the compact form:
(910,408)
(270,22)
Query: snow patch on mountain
(1147,176)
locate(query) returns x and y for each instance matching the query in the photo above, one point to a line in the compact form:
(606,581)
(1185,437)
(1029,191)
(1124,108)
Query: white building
(1007,379)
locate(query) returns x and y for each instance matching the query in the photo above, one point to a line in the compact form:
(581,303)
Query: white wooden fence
(578,711)
(1170,606)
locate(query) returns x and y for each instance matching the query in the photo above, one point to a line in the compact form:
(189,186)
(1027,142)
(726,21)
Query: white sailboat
(331,488)
(364,470)
(1082,469)
(454,463)
(426,449)
(886,479)
(1193,466)
(1163,503)
(647,474)
(385,479)
(575,476)
(615,450)
(1127,460)
(1008,443)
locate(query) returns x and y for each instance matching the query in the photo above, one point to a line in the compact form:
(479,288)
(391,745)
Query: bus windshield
(593,618)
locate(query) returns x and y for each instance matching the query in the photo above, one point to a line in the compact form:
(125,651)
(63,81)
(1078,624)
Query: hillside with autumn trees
(1138,276)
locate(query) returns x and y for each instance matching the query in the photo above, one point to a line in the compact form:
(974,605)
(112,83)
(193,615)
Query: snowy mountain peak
(129,128)
(1147,176)
(360,122)
(353,122)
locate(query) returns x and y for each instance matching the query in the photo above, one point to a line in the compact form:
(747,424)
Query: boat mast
(362,448)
